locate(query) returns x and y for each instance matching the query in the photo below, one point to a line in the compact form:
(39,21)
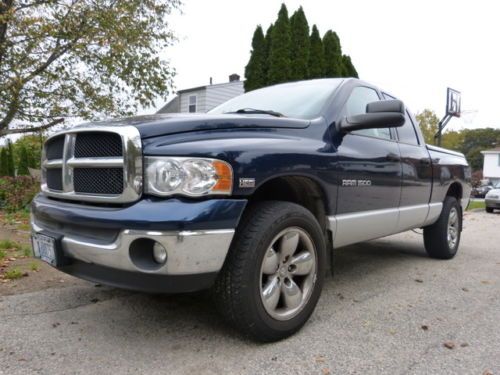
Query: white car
(492,198)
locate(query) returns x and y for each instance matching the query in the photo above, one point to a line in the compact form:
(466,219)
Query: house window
(192,104)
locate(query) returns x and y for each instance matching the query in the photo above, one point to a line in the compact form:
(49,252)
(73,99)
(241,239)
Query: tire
(437,242)
(248,272)
(490,210)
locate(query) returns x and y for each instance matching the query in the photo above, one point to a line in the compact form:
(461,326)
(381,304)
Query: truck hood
(165,124)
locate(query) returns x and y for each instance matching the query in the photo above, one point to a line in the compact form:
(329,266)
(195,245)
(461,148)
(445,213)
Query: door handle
(392,157)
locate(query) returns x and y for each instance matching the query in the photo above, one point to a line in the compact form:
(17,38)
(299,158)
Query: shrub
(17,193)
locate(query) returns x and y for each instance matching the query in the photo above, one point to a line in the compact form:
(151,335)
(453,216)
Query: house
(204,98)
(491,166)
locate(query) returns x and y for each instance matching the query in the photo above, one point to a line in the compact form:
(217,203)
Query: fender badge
(247,182)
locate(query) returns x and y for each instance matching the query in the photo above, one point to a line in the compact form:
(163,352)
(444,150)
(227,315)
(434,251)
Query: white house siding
(200,100)
(491,166)
(218,94)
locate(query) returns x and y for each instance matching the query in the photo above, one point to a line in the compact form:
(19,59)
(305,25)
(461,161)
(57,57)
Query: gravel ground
(388,309)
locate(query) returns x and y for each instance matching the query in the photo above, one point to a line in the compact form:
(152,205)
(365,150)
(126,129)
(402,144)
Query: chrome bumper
(188,252)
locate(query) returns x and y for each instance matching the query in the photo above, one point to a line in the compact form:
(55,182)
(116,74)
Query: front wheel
(442,238)
(274,272)
(489,210)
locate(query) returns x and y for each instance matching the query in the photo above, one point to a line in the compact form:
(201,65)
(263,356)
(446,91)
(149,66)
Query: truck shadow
(181,318)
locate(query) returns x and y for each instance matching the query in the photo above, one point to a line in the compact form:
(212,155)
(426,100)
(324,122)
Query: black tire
(490,210)
(436,235)
(237,290)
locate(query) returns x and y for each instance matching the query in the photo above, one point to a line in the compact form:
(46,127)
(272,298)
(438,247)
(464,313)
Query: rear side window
(356,105)
(406,133)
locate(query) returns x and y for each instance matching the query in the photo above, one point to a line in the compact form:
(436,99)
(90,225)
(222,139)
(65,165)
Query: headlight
(187,176)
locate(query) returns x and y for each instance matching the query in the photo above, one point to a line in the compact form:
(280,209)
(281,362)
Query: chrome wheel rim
(453,228)
(288,273)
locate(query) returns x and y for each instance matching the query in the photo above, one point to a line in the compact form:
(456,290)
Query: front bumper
(97,241)
(492,202)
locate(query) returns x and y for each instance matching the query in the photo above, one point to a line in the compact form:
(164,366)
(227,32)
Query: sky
(412,49)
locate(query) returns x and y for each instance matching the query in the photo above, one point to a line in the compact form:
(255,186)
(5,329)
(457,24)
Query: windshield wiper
(258,112)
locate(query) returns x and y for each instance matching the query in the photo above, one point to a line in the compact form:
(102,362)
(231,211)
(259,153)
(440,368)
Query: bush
(17,193)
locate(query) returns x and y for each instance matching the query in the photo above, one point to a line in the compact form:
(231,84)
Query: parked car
(481,191)
(492,199)
(249,200)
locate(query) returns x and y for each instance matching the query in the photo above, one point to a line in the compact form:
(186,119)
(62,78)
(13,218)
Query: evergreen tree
(255,69)
(349,70)
(316,55)
(24,161)
(300,46)
(333,54)
(10,160)
(267,42)
(4,168)
(279,51)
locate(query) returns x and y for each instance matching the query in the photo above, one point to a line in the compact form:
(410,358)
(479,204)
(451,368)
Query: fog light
(159,253)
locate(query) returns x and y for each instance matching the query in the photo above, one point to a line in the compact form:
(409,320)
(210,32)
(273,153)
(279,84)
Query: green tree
(300,46)
(279,50)
(267,40)
(317,55)
(4,168)
(85,58)
(477,140)
(11,169)
(349,69)
(429,124)
(24,161)
(33,145)
(255,69)
(333,54)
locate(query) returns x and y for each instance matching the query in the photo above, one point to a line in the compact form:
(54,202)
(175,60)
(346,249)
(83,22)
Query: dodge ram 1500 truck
(248,200)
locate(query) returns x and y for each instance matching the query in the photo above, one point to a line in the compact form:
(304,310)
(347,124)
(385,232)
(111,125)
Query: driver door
(369,177)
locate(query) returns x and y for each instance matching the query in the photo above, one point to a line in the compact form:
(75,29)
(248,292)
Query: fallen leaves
(449,345)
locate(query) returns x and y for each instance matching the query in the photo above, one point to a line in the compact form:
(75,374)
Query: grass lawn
(476,204)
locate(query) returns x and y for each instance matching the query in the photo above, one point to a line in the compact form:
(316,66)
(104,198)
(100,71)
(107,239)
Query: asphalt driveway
(388,309)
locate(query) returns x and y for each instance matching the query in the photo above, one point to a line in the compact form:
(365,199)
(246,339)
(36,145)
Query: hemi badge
(247,182)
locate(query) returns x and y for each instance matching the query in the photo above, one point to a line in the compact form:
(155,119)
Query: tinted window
(406,133)
(356,105)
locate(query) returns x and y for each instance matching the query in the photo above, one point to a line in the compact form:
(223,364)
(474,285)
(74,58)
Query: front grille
(54,179)
(98,144)
(96,164)
(98,180)
(55,148)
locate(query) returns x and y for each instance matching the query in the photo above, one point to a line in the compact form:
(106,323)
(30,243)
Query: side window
(406,133)
(192,104)
(356,105)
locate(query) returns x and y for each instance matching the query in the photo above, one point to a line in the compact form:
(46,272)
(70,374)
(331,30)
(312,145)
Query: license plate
(44,247)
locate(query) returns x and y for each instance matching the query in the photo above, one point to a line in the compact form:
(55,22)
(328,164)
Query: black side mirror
(381,114)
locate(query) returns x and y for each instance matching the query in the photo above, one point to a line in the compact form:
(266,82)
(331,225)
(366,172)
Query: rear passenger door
(417,173)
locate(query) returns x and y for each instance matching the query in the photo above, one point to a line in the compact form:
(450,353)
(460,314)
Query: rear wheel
(489,210)
(442,238)
(273,275)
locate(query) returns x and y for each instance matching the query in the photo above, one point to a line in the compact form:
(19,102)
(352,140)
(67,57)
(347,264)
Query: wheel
(442,238)
(274,272)
(490,210)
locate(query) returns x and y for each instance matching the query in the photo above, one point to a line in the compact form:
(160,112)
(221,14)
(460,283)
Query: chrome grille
(94,164)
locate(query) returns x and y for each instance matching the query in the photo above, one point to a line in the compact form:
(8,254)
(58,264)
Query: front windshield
(303,100)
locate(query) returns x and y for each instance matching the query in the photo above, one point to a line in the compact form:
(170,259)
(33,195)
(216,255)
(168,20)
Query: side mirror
(381,114)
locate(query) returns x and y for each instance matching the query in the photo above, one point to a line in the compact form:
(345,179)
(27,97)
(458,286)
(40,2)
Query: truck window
(406,133)
(356,105)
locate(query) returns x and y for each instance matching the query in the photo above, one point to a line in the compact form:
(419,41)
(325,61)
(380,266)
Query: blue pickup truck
(248,200)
